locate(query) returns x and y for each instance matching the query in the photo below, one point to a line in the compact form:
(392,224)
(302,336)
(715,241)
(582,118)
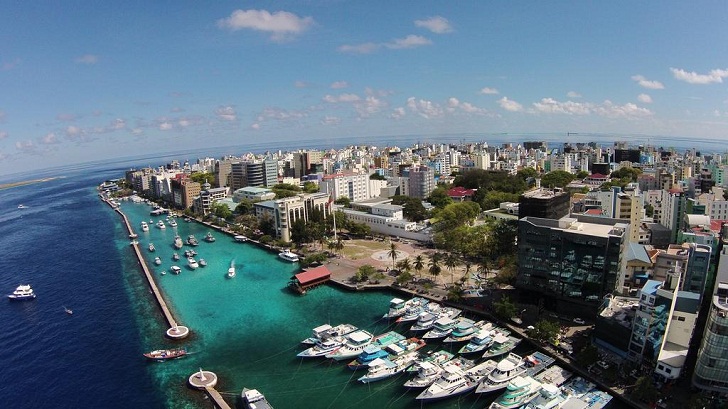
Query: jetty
(206,380)
(175,330)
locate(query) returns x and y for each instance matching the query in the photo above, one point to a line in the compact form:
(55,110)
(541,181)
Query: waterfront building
(189,190)
(202,204)
(387,219)
(283,212)
(256,173)
(570,259)
(544,203)
(223,168)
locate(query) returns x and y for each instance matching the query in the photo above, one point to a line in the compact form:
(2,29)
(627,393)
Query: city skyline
(84,82)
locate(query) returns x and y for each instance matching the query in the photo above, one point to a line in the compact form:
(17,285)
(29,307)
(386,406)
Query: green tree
(377,176)
(364,272)
(645,390)
(419,264)
(588,355)
(310,187)
(582,174)
(359,229)
(504,308)
(343,201)
(392,253)
(221,210)
(439,197)
(544,331)
(433,266)
(404,277)
(650,210)
(202,177)
(527,173)
(404,265)
(283,190)
(557,178)
(630,173)
(301,232)
(454,293)
(244,207)
(451,261)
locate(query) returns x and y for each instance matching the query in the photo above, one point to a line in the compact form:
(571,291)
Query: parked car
(579,321)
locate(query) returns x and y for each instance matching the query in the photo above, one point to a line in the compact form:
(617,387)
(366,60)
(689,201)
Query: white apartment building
(285,211)
(354,186)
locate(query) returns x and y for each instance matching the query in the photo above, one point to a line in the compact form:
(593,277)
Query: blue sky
(83,80)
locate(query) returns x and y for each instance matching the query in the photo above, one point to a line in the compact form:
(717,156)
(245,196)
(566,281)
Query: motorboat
(354,344)
(327,331)
(209,237)
(145,226)
(581,393)
(172,222)
(288,255)
(192,241)
(397,308)
(424,322)
(456,380)
(240,239)
(178,242)
(412,313)
(502,345)
(166,354)
(68,310)
(434,357)
(22,292)
(554,375)
(175,269)
(192,263)
(202,262)
(151,247)
(161,225)
(255,400)
(231,270)
(519,392)
(427,373)
(157,261)
(22,206)
(387,338)
(508,368)
(549,397)
(175,257)
(465,330)
(441,328)
(322,347)
(164,273)
(367,356)
(384,368)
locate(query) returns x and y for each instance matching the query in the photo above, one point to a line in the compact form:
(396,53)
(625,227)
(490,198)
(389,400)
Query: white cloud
(330,120)
(628,111)
(398,113)
(693,77)
(3,135)
(454,104)
(436,24)
(301,84)
(365,48)
(226,113)
(411,41)
(255,126)
(645,83)
(341,98)
(552,106)
(489,91)
(605,109)
(370,105)
(644,98)
(25,146)
(88,59)
(573,94)
(49,139)
(510,105)
(165,126)
(281,25)
(424,108)
(2,116)
(339,85)
(73,131)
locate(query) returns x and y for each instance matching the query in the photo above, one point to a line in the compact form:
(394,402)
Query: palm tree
(483,269)
(339,246)
(451,261)
(392,253)
(466,276)
(419,264)
(404,265)
(434,265)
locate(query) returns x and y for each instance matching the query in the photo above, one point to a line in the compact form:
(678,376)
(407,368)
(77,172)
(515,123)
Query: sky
(84,80)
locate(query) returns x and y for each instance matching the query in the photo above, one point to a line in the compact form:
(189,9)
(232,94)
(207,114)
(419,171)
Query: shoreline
(28,182)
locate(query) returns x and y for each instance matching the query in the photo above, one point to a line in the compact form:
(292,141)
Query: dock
(175,330)
(217,398)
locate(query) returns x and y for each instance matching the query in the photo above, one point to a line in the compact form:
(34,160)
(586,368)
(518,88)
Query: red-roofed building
(460,194)
(301,282)
(596,179)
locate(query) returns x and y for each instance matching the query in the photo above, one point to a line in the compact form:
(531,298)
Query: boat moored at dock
(354,344)
(255,400)
(288,255)
(519,392)
(327,331)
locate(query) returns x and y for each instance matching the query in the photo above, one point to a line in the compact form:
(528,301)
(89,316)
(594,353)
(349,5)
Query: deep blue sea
(72,249)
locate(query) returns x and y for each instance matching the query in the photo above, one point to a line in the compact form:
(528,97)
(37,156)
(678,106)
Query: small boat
(322,347)
(354,344)
(255,400)
(175,257)
(172,222)
(191,240)
(151,247)
(501,345)
(434,357)
(202,262)
(288,255)
(519,392)
(209,237)
(22,206)
(165,354)
(384,368)
(68,310)
(231,270)
(161,225)
(178,242)
(192,263)
(370,353)
(145,226)
(157,261)
(163,273)
(456,380)
(466,329)
(175,269)
(508,368)
(240,238)
(326,331)
(23,292)
(413,312)
(441,328)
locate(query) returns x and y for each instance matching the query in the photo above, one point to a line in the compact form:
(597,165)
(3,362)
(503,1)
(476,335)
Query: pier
(206,380)
(175,330)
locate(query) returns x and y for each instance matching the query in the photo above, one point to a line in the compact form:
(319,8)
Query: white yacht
(151,247)
(255,400)
(145,226)
(161,225)
(322,347)
(192,263)
(508,368)
(240,238)
(175,257)
(178,242)
(451,382)
(172,222)
(326,331)
(427,373)
(549,397)
(441,328)
(384,368)
(231,270)
(23,292)
(465,330)
(175,269)
(520,391)
(288,255)
(157,261)
(202,262)
(425,321)
(354,344)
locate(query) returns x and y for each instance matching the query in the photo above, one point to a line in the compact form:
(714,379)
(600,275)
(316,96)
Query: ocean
(74,252)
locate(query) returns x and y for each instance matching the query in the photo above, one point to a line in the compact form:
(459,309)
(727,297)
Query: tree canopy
(202,177)
(486,180)
(626,172)
(283,190)
(557,178)
(439,197)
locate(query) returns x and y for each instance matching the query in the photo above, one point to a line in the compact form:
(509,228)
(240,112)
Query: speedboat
(191,240)
(354,344)
(23,292)
(327,331)
(240,238)
(192,263)
(255,400)
(145,226)
(172,222)
(231,270)
(384,368)
(151,247)
(209,237)
(322,347)
(175,269)
(178,242)
(161,225)
(22,206)
(165,354)
(68,310)
(157,260)
(288,255)
(202,262)
(519,392)
(508,368)
(175,257)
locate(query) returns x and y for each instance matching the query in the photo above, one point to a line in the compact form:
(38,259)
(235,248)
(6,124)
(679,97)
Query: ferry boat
(175,269)
(519,392)
(157,261)
(192,263)
(255,400)
(209,237)
(191,240)
(22,292)
(161,225)
(288,255)
(384,368)
(354,344)
(327,331)
(507,369)
(165,354)
(178,242)
(145,226)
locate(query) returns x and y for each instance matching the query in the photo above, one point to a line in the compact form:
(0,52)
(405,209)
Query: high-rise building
(544,203)
(354,187)
(421,181)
